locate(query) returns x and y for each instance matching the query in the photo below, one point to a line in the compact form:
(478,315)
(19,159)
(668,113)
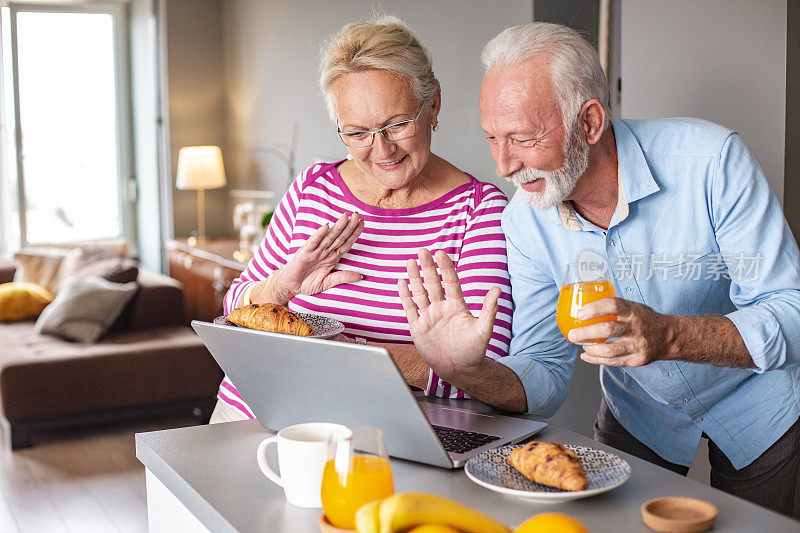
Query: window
(66,140)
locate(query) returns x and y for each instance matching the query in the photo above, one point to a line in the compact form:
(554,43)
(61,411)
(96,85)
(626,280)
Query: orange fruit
(551,523)
(434,528)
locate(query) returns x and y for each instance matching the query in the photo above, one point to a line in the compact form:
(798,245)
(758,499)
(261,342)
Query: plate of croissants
(278,319)
(547,472)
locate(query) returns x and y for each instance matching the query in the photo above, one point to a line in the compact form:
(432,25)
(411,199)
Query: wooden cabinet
(206,271)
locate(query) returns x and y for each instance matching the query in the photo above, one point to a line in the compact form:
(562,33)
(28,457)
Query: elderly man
(707,336)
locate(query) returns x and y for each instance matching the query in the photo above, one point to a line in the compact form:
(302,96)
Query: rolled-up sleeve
(539,354)
(762,258)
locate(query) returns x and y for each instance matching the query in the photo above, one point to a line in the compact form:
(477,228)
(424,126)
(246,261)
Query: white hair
(575,68)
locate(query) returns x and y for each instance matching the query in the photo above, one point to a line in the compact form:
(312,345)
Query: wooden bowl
(679,515)
(327,527)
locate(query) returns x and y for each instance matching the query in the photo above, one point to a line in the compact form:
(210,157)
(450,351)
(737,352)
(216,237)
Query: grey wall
(581,15)
(271,56)
(721,60)
(196,103)
(791,191)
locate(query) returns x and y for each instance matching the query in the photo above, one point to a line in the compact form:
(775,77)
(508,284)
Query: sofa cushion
(85,308)
(158,303)
(97,261)
(43,376)
(22,301)
(40,266)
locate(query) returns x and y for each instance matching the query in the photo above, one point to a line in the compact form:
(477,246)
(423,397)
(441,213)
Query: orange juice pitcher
(357,472)
(584,282)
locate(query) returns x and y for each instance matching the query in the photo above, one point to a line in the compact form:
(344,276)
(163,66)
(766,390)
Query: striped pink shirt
(465,223)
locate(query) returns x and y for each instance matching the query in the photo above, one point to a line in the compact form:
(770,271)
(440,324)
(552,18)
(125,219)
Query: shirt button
(700,419)
(670,373)
(629,289)
(686,400)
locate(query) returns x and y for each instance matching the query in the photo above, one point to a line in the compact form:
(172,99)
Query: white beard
(558,183)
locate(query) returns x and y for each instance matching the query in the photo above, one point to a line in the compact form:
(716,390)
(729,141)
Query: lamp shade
(200,167)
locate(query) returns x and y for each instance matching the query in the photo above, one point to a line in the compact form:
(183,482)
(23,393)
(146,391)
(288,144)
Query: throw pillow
(119,247)
(40,266)
(22,301)
(84,308)
(96,261)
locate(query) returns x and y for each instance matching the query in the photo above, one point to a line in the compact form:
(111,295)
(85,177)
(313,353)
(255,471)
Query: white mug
(302,454)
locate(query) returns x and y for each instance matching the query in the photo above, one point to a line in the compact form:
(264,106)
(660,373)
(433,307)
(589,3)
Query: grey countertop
(213,472)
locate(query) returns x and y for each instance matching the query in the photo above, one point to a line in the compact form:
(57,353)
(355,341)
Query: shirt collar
(634,179)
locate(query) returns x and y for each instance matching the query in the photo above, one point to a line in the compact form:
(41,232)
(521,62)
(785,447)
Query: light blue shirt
(696,231)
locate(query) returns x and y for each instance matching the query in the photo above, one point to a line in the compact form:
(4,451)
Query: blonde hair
(384,43)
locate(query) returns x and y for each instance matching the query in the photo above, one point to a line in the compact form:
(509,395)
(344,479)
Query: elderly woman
(343,234)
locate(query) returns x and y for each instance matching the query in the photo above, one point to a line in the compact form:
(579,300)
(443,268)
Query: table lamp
(200,168)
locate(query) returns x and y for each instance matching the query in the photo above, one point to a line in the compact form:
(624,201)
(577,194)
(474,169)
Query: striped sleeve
(273,251)
(481,265)
(271,254)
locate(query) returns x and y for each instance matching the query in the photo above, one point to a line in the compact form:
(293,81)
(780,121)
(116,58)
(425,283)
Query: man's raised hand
(447,336)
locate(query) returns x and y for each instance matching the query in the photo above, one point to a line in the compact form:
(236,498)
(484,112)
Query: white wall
(721,60)
(271,57)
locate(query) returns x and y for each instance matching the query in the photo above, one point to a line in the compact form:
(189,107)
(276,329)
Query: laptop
(287,379)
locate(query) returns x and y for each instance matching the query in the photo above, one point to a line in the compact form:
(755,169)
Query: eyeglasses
(393,132)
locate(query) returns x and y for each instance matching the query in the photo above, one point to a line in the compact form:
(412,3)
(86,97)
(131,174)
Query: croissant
(270,317)
(549,463)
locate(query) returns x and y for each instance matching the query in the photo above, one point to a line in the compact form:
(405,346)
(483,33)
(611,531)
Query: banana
(405,510)
(368,519)
(434,528)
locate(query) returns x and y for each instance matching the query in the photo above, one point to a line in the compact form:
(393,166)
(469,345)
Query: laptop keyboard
(461,441)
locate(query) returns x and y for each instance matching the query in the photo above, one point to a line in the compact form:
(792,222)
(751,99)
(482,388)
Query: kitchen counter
(206,478)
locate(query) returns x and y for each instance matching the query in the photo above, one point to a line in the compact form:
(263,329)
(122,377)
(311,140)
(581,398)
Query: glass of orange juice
(357,472)
(584,282)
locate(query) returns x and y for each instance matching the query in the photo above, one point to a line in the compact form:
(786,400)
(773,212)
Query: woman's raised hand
(447,336)
(310,270)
